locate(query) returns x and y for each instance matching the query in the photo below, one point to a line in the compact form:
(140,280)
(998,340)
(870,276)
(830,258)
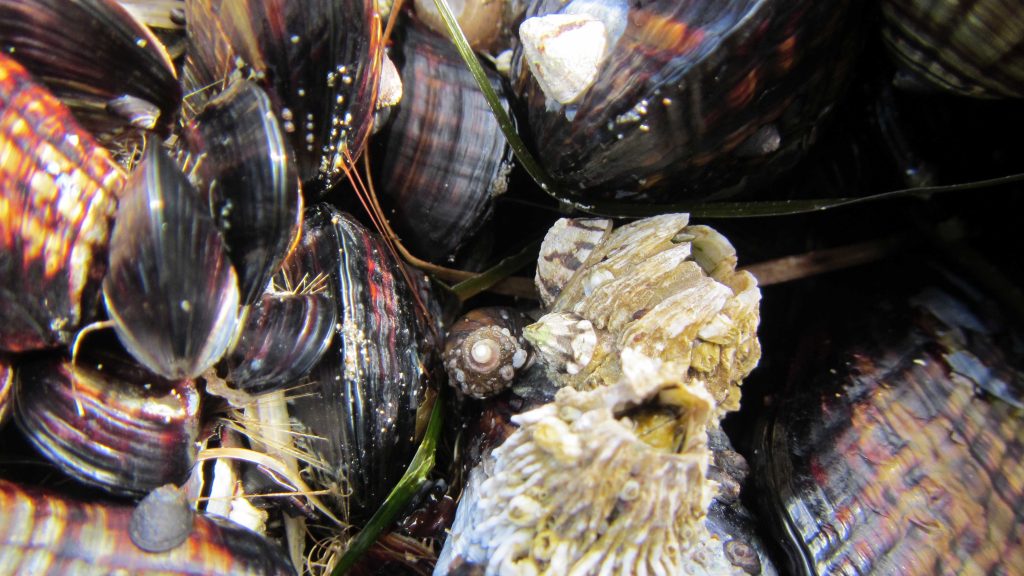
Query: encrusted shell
(658,287)
(568,492)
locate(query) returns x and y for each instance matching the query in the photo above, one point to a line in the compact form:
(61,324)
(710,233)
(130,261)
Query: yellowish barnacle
(660,287)
(619,505)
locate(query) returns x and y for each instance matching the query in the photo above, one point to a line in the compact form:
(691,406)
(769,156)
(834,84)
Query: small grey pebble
(162,521)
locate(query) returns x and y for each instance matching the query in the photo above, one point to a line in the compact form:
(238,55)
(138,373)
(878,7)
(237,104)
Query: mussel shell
(968,48)
(59,197)
(898,447)
(254,191)
(93,54)
(694,98)
(6,385)
(284,336)
(45,532)
(171,290)
(445,157)
(362,406)
(108,422)
(319,61)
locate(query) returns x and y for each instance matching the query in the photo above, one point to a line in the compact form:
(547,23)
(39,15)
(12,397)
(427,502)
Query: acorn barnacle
(659,287)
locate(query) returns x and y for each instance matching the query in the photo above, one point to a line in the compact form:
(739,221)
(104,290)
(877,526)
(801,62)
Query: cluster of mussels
(183,172)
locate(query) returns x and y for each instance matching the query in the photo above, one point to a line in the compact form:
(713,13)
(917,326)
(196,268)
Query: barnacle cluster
(650,331)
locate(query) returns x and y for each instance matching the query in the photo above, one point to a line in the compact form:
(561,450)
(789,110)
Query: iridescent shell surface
(43,532)
(108,422)
(445,159)
(686,99)
(319,60)
(59,196)
(361,408)
(899,446)
(968,48)
(74,47)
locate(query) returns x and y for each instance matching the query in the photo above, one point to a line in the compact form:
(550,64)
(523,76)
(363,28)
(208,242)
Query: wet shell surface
(72,46)
(108,422)
(59,196)
(319,62)
(657,286)
(361,408)
(445,158)
(6,386)
(43,532)
(899,445)
(967,48)
(485,350)
(170,290)
(243,163)
(680,99)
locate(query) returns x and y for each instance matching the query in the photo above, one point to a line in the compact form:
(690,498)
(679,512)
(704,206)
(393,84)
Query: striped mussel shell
(898,445)
(100,60)
(42,532)
(359,414)
(285,335)
(171,289)
(107,421)
(445,158)
(59,198)
(243,164)
(964,47)
(678,99)
(318,60)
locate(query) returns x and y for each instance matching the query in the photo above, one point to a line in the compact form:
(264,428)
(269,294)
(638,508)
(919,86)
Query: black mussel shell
(319,61)
(107,421)
(692,99)
(971,48)
(95,56)
(244,164)
(900,445)
(285,335)
(170,290)
(39,528)
(361,409)
(59,197)
(445,157)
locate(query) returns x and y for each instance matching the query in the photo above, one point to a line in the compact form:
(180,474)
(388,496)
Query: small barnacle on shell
(581,487)
(658,287)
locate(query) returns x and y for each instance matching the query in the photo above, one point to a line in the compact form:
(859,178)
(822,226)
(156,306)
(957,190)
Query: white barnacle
(564,52)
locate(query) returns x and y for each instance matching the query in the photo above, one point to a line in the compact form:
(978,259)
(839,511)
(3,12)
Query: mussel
(967,48)
(108,422)
(678,99)
(898,444)
(360,411)
(59,197)
(445,159)
(44,532)
(318,60)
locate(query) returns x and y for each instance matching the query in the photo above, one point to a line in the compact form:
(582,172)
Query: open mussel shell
(285,335)
(244,164)
(170,290)
(445,157)
(107,421)
(95,56)
(680,99)
(964,47)
(320,63)
(59,197)
(360,411)
(898,445)
(45,532)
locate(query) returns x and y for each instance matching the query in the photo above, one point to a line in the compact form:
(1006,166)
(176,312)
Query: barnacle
(588,485)
(658,287)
